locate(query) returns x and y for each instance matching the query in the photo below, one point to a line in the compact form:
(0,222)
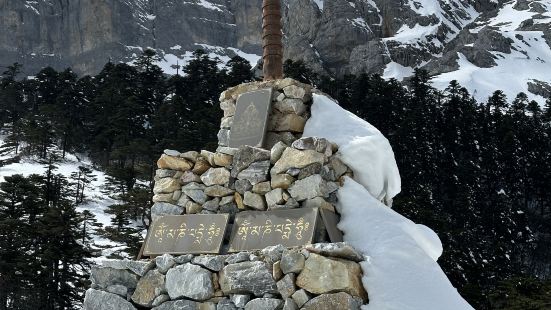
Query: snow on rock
(400,272)
(362,146)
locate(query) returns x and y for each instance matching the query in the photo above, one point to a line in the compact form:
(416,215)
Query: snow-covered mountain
(485,44)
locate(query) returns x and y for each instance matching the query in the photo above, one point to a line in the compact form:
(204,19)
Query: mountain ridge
(485,45)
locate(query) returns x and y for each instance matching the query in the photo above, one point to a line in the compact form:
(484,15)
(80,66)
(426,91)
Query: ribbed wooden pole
(272,40)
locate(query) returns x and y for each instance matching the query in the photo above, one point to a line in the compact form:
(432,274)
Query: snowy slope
(401,272)
(96,202)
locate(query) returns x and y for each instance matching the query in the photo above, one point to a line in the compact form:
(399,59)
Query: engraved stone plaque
(186,234)
(255,230)
(251,118)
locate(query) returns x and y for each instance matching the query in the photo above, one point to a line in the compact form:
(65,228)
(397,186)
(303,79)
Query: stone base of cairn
(292,172)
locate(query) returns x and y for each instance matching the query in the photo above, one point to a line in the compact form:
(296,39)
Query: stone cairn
(293,172)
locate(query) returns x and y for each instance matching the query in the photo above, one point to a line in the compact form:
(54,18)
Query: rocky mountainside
(484,44)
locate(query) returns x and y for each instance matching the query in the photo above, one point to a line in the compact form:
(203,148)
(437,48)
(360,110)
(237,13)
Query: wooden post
(272,40)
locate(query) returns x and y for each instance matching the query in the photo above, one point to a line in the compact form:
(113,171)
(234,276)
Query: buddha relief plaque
(251,118)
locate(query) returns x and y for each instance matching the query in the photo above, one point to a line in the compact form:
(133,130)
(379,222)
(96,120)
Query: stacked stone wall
(315,277)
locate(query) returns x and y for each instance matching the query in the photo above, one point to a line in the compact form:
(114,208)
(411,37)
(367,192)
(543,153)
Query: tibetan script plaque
(251,118)
(255,230)
(186,234)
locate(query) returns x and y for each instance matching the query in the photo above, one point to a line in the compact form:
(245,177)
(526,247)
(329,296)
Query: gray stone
(162,197)
(294,172)
(226,304)
(118,289)
(182,259)
(293,91)
(193,208)
(274,197)
(290,304)
(257,172)
(163,208)
(274,253)
(166,186)
(147,287)
(212,205)
(165,262)
(172,153)
(282,181)
(216,176)
(189,281)
(189,177)
(291,106)
(247,278)
(209,156)
(337,301)
(254,201)
(228,106)
(211,262)
(264,304)
(318,202)
(292,262)
(160,299)
(301,297)
(328,174)
(197,195)
(178,305)
(311,187)
(246,156)
(237,258)
(277,151)
(99,300)
(240,300)
(226,200)
(229,208)
(276,271)
(139,267)
(176,195)
(286,122)
(104,277)
(311,143)
(286,286)
(338,166)
(223,137)
(226,122)
(309,170)
(292,158)
(164,173)
(322,275)
(223,160)
(218,191)
(191,156)
(337,250)
(182,202)
(262,188)
(243,186)
(227,150)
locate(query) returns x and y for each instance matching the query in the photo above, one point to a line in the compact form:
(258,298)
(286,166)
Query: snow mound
(400,272)
(362,146)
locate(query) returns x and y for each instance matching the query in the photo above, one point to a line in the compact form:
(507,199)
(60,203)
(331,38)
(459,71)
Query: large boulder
(99,300)
(149,287)
(189,281)
(173,163)
(292,158)
(323,275)
(104,277)
(337,301)
(247,278)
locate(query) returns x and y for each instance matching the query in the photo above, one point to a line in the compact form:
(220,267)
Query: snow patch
(394,70)
(362,147)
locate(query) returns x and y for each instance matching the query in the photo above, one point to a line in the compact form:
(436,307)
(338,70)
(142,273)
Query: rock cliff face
(472,41)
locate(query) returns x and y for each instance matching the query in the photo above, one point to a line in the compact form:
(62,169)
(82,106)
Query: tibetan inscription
(251,118)
(255,230)
(186,234)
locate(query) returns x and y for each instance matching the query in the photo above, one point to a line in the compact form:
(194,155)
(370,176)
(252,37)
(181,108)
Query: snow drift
(401,272)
